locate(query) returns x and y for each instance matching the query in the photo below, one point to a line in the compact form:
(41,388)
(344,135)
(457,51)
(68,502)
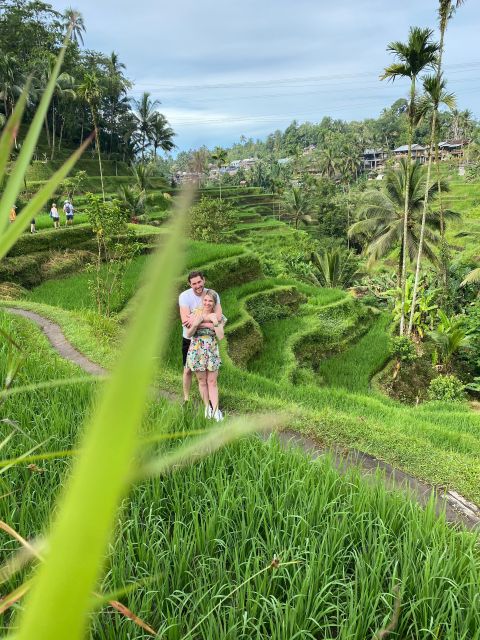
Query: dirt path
(457,508)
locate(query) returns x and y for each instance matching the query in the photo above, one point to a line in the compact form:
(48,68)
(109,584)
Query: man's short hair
(196,274)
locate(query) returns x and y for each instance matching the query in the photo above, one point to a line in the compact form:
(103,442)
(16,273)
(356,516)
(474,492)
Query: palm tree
(219,157)
(328,163)
(73,20)
(90,91)
(471,278)
(145,116)
(162,134)
(381,216)
(297,204)
(198,162)
(116,86)
(413,57)
(10,82)
(336,268)
(142,173)
(446,10)
(64,89)
(435,95)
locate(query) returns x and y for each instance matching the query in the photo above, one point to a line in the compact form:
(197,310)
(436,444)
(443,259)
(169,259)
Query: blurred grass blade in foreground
(60,600)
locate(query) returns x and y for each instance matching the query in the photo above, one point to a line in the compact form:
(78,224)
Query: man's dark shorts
(185,347)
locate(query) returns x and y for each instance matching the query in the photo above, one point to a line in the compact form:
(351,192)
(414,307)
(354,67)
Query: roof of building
(371,152)
(404,147)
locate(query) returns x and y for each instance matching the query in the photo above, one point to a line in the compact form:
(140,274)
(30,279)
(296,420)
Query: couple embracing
(203,326)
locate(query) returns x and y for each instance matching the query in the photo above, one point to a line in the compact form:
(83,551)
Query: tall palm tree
(116,88)
(297,204)
(64,89)
(145,116)
(162,134)
(73,19)
(381,216)
(413,57)
(90,91)
(446,10)
(328,163)
(434,96)
(219,157)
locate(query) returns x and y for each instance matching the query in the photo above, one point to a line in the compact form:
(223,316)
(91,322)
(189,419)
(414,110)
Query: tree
(91,93)
(198,160)
(336,267)
(64,90)
(73,20)
(297,205)
(413,57)
(219,157)
(381,213)
(435,95)
(446,10)
(10,81)
(161,134)
(145,116)
(116,88)
(210,220)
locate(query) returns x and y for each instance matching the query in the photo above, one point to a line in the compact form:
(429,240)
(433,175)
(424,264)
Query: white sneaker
(218,416)
(208,412)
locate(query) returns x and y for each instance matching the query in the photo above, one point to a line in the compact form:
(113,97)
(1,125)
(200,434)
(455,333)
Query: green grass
(183,543)
(354,368)
(73,292)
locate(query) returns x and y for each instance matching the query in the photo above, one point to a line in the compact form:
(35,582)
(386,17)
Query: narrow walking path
(457,508)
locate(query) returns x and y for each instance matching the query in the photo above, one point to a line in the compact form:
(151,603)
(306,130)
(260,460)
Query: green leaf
(15,181)
(60,599)
(14,231)
(6,142)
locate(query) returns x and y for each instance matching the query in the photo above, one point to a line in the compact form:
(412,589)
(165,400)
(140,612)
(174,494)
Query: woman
(55,216)
(203,356)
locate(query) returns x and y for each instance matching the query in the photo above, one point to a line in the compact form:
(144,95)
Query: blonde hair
(213,296)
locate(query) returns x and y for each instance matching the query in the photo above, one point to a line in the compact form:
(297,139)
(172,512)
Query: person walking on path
(55,216)
(68,209)
(191,303)
(203,355)
(33,228)
(13,214)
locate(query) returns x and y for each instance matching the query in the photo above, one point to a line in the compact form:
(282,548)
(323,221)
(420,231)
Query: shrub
(447,388)
(210,220)
(403,349)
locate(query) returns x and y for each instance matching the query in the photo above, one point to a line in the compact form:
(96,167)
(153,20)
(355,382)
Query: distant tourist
(68,209)
(33,228)
(191,303)
(55,216)
(203,355)
(13,213)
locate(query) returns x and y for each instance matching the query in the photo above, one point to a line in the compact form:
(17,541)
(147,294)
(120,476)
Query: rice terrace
(239,321)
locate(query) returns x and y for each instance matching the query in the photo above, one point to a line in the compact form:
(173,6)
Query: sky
(224,69)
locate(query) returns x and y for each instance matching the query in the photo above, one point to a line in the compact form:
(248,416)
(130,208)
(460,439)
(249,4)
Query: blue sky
(226,69)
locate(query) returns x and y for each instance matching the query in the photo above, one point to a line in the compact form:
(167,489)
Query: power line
(290,81)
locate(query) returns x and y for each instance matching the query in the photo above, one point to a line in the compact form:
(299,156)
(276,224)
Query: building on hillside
(306,151)
(452,149)
(374,159)
(284,160)
(418,152)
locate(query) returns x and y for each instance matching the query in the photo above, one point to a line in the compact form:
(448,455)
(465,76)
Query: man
(68,209)
(13,213)
(191,301)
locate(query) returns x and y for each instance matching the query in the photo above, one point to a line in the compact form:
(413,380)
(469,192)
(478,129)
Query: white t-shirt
(189,299)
